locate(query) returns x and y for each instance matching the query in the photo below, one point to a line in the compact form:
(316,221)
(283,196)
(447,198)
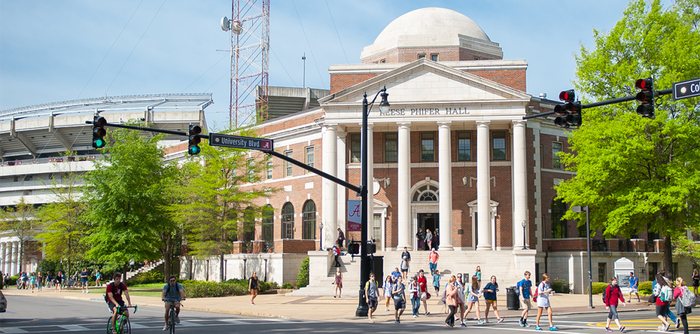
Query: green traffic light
(194,150)
(99,143)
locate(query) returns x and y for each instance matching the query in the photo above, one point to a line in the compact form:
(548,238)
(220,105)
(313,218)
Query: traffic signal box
(194,140)
(570,111)
(98,132)
(646,96)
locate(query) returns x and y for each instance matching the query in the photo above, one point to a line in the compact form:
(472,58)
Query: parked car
(3,302)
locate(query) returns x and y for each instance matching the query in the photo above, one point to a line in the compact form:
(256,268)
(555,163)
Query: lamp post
(362,307)
(588,245)
(524,223)
(320,241)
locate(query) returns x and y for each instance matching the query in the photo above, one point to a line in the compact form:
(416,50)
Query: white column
(519,182)
(404,187)
(445,173)
(483,188)
(329,191)
(15,259)
(341,174)
(370,180)
(3,259)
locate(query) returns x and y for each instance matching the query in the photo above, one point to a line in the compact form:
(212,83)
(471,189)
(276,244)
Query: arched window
(288,221)
(426,193)
(268,226)
(309,220)
(248,228)
(558,223)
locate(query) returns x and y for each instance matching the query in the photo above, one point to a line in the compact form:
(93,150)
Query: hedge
(232,287)
(645,288)
(560,286)
(303,276)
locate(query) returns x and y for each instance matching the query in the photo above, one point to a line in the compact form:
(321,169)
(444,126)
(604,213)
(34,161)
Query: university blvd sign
(247,143)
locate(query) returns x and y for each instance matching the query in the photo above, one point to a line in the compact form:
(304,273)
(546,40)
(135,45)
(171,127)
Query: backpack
(666,295)
(106,296)
(688,297)
(604,291)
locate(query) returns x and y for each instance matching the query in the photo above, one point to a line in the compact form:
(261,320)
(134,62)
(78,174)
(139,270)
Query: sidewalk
(332,309)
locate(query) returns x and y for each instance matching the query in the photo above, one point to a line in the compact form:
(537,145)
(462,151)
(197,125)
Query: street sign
(686,89)
(248,143)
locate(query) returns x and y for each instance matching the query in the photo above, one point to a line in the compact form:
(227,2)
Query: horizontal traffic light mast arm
(177,133)
(314,170)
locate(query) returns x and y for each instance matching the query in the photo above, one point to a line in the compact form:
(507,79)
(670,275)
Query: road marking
(138,326)
(74,327)
(13,330)
(524,329)
(188,324)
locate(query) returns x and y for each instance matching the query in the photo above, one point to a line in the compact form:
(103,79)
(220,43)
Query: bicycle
(123,324)
(172,315)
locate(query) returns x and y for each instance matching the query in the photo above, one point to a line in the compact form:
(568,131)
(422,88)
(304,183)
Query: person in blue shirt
(490,296)
(524,291)
(634,287)
(172,294)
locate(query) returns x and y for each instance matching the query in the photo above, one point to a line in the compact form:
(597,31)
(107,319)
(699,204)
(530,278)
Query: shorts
(404,270)
(696,283)
(489,301)
(112,306)
(633,290)
(373,302)
(661,310)
(84,280)
(399,305)
(527,302)
(174,303)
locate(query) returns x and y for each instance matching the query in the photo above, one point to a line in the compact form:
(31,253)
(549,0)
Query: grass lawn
(145,293)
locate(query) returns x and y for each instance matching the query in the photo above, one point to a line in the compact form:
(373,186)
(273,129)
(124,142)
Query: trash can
(513,300)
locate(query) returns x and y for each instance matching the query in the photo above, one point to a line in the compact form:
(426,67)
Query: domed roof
(425,27)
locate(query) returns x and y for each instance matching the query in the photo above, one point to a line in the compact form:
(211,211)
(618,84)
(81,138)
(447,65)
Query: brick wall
(409,54)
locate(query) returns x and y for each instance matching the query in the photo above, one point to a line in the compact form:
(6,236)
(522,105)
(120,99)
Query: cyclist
(172,294)
(114,294)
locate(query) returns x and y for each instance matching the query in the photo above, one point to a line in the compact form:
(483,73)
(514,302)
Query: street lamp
(362,307)
(588,245)
(320,241)
(524,223)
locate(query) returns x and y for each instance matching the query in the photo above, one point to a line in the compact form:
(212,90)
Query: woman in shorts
(473,294)
(387,290)
(543,292)
(490,290)
(696,281)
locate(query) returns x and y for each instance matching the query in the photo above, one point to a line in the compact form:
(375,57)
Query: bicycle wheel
(127,327)
(122,324)
(171,319)
(109,325)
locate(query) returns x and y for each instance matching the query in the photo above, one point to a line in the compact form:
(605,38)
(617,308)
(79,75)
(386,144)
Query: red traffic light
(644,84)
(567,95)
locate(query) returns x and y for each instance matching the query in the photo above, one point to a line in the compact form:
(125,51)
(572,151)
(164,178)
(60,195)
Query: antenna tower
(250,46)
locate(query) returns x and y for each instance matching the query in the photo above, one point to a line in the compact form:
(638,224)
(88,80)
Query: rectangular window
(499,145)
(251,170)
(464,146)
(421,56)
(288,165)
(427,147)
(602,271)
(355,148)
(269,170)
(377,227)
(391,147)
(434,57)
(309,157)
(556,160)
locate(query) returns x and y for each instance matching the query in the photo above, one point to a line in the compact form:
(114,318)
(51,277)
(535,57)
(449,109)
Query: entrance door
(428,221)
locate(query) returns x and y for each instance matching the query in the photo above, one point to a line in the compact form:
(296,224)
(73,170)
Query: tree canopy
(639,173)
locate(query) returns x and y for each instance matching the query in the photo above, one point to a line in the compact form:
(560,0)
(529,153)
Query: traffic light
(354,248)
(570,111)
(98,131)
(646,96)
(194,140)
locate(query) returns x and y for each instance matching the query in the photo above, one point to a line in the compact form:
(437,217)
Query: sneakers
(501,320)
(386,309)
(538,328)
(554,328)
(426,313)
(397,321)
(486,321)
(481,322)
(667,327)
(526,324)
(177,319)
(678,322)
(415,316)
(607,329)
(661,328)
(622,329)
(166,327)
(521,323)
(462,325)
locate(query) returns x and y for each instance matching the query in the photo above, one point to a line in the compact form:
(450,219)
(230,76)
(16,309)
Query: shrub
(303,277)
(287,286)
(599,287)
(645,288)
(264,286)
(13,280)
(195,289)
(560,286)
(152,276)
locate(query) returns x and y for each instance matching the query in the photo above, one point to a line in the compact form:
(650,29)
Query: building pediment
(428,89)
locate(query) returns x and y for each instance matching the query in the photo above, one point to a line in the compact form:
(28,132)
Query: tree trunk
(668,257)
(167,266)
(221,267)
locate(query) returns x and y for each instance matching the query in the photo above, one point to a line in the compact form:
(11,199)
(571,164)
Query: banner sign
(354,217)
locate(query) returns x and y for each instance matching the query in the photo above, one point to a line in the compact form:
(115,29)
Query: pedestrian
(436,239)
(696,281)
(423,289)
(395,274)
(98,277)
(681,310)
(84,281)
(669,314)
(477,272)
(336,254)
(419,239)
(451,301)
(63,280)
(48,279)
(405,255)
(399,296)
(2,277)
(7,280)
(39,281)
(429,238)
(32,281)
(490,291)
(634,287)
(25,280)
(460,300)
(388,283)
(338,282)
(253,287)
(58,281)
(372,296)
(543,292)
(663,294)
(341,238)
(405,267)
(131,264)
(414,295)
(612,294)
(436,282)
(473,294)
(524,286)
(433,258)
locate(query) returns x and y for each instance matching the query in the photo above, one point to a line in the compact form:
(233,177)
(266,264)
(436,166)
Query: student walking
(696,281)
(39,281)
(98,277)
(429,238)
(543,292)
(423,290)
(338,281)
(612,295)
(490,291)
(388,282)
(253,287)
(682,311)
(663,294)
(419,239)
(473,294)
(399,296)
(478,273)
(405,263)
(634,287)
(414,295)
(336,254)
(451,301)
(669,314)
(460,300)
(372,296)
(32,281)
(524,286)
(433,259)
(436,282)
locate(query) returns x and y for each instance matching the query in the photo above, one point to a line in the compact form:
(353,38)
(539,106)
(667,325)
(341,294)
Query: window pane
(558,223)
(355,148)
(309,220)
(434,57)
(391,147)
(499,145)
(464,146)
(268,227)
(288,221)
(269,170)
(556,160)
(288,169)
(427,147)
(377,227)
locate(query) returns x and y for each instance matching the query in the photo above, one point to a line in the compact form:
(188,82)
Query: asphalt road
(48,315)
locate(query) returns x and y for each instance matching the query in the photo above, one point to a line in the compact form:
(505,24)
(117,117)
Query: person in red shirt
(423,287)
(114,294)
(612,295)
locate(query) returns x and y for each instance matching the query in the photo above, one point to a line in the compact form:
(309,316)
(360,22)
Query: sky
(52,51)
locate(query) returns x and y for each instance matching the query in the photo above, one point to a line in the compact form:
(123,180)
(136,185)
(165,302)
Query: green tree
(127,196)
(19,222)
(211,203)
(639,173)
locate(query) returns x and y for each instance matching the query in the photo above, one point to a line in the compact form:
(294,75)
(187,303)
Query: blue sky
(64,50)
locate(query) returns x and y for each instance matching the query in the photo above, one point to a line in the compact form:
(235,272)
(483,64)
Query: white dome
(425,27)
